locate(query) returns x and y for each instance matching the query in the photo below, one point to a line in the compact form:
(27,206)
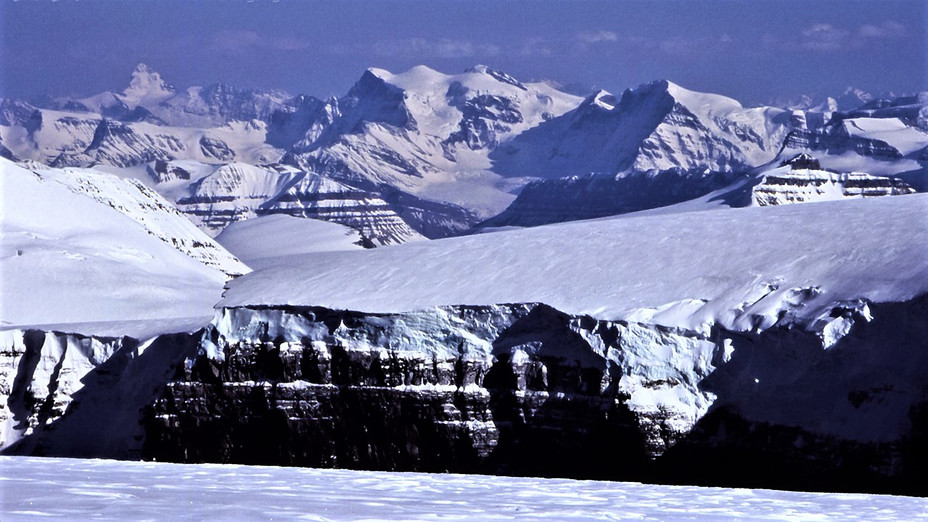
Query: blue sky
(753,51)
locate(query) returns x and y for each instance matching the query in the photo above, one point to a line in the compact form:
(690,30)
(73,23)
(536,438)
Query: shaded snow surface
(37,488)
(72,256)
(256,241)
(742,267)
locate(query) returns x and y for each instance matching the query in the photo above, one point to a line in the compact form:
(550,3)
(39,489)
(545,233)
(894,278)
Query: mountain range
(422,153)
(659,285)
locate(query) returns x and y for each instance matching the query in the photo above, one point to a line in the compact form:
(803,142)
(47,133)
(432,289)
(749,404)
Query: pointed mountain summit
(146,87)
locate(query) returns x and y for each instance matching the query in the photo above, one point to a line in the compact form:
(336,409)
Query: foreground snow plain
(40,488)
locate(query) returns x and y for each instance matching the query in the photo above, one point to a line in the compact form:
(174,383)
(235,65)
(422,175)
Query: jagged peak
(803,160)
(697,102)
(145,85)
(602,99)
(496,75)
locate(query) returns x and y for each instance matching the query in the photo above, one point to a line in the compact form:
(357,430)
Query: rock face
(236,192)
(599,195)
(58,389)
(801,185)
(464,388)
(514,389)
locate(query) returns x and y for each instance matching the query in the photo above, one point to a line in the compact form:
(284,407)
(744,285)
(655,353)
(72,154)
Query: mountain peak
(699,102)
(497,75)
(146,86)
(479,68)
(142,68)
(601,99)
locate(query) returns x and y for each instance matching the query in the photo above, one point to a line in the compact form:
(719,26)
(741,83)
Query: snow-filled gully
(514,389)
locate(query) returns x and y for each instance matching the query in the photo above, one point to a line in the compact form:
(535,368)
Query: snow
(427,92)
(146,88)
(77,251)
(893,131)
(747,264)
(281,235)
(34,488)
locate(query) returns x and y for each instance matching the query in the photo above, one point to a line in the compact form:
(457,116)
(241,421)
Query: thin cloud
(418,47)
(883,30)
(239,41)
(441,48)
(597,37)
(825,37)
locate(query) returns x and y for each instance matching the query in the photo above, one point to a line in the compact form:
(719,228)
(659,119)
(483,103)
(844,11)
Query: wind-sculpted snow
(83,246)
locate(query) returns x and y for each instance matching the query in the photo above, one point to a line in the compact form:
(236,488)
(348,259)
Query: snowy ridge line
(151,210)
(741,268)
(462,143)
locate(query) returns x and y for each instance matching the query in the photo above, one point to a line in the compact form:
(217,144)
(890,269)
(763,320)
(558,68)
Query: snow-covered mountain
(215,197)
(444,152)
(83,246)
(657,126)
(429,133)
(627,347)
(794,180)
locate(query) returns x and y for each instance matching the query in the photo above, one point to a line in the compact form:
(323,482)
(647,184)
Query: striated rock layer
(515,389)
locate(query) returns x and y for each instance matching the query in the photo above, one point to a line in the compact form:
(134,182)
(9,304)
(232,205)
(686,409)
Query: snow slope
(893,131)
(736,267)
(81,247)
(113,490)
(278,235)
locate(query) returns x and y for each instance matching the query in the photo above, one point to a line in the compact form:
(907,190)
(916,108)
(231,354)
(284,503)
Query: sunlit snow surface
(72,489)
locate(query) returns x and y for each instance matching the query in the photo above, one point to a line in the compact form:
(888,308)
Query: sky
(755,51)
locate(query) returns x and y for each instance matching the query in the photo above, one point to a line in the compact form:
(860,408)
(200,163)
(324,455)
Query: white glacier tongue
(749,266)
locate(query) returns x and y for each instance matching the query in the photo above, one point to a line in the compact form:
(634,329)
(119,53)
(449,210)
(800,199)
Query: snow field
(38,488)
